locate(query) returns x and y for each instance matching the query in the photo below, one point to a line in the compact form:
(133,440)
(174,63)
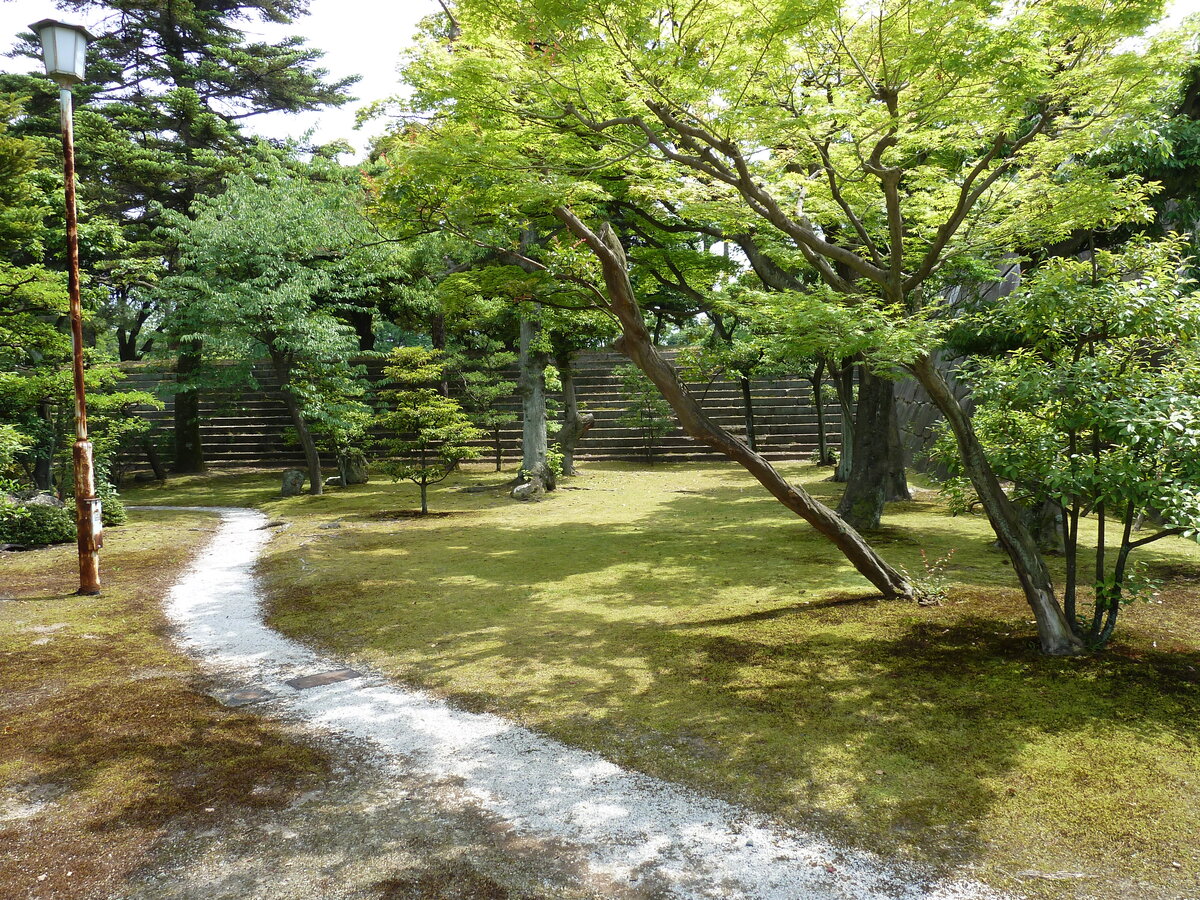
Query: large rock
(334,481)
(530,490)
(39,498)
(353,469)
(293,482)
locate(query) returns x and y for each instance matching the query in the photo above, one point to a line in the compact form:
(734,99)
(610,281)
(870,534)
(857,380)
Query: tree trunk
(189,450)
(1054,632)
(312,459)
(532,387)
(637,345)
(43,463)
(817,380)
(437,337)
(152,457)
(843,385)
(574,426)
(748,411)
(499,444)
(363,323)
(877,474)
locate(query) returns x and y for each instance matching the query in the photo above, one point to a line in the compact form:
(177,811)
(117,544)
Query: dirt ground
(370,832)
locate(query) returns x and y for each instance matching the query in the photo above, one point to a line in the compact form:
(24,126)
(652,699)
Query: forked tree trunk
(189,450)
(312,459)
(877,474)
(574,425)
(636,343)
(532,387)
(1015,538)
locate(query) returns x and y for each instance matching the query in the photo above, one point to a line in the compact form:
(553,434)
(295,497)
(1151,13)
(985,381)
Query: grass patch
(684,624)
(107,737)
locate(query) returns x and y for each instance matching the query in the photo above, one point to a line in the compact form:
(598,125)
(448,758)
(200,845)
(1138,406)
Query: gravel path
(624,828)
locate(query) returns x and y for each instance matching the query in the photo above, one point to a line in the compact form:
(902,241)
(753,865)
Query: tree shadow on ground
(677,642)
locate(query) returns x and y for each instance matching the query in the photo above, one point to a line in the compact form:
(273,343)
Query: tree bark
(152,457)
(843,385)
(363,323)
(877,474)
(532,387)
(636,343)
(1054,631)
(312,459)
(817,380)
(748,412)
(574,425)
(437,337)
(189,449)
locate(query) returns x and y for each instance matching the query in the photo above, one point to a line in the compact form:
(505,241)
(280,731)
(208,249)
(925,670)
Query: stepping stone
(244,696)
(308,681)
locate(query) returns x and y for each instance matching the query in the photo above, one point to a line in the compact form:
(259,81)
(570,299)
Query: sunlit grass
(683,623)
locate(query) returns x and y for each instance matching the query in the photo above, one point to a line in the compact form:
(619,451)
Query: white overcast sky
(359,37)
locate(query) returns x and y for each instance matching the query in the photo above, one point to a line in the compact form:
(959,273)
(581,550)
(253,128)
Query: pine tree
(159,122)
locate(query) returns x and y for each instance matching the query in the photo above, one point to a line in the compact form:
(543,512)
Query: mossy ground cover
(108,739)
(684,624)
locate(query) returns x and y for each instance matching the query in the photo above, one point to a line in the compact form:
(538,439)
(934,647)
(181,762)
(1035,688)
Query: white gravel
(630,827)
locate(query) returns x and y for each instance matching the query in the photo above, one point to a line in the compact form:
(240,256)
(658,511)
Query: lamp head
(64,50)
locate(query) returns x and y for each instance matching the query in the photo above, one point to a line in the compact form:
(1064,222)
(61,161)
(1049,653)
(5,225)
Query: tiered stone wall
(249,427)
(918,417)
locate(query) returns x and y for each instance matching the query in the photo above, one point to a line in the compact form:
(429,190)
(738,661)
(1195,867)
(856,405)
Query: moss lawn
(681,622)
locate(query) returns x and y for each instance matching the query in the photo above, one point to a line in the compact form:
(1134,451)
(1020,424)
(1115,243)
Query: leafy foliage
(31,525)
(265,268)
(431,433)
(1097,411)
(646,410)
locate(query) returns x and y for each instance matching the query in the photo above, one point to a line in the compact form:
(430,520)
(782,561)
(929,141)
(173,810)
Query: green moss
(101,714)
(683,623)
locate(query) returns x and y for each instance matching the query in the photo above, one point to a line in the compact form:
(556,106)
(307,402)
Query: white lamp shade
(64,49)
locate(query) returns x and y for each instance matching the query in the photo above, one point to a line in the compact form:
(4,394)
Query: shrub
(112,509)
(36,524)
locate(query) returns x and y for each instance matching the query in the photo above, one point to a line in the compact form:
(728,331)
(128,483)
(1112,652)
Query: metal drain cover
(308,681)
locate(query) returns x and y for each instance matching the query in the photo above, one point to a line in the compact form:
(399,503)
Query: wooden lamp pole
(64,48)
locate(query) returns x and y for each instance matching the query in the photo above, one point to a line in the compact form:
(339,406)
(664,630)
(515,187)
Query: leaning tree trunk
(532,387)
(636,343)
(312,459)
(1054,631)
(189,450)
(877,474)
(574,425)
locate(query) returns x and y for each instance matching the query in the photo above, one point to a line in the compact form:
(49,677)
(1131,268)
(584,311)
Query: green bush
(36,524)
(112,510)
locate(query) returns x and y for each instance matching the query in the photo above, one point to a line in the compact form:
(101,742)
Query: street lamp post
(64,49)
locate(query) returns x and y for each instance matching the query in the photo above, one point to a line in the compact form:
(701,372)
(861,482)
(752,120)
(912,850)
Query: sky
(359,37)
